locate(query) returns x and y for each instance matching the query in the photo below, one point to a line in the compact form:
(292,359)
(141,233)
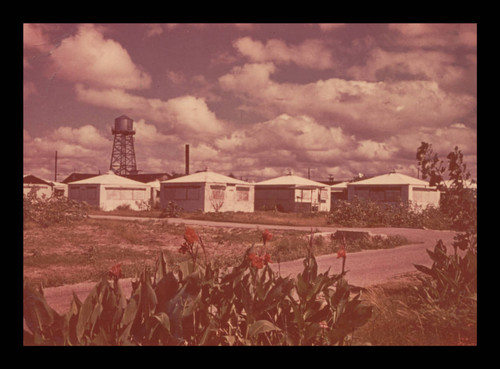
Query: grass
(256,217)
(83,251)
(400,318)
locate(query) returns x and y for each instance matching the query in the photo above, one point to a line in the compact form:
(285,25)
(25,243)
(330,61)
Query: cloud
(363,107)
(69,142)
(35,37)
(424,65)
(286,142)
(87,57)
(443,140)
(185,115)
(436,35)
(331,26)
(309,54)
(85,148)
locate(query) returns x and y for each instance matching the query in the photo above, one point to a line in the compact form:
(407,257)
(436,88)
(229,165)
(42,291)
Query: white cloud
(331,26)
(360,106)
(87,57)
(185,115)
(436,35)
(309,54)
(434,66)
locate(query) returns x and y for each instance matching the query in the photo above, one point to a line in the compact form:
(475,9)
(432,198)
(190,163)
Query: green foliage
(203,305)
(458,202)
(453,277)
(447,297)
(52,210)
(171,211)
(366,213)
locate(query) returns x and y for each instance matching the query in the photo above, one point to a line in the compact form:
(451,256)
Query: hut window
(180,194)
(377,195)
(242,193)
(393,195)
(74,192)
(168,193)
(193,194)
(139,194)
(91,193)
(217,192)
(423,195)
(362,194)
(59,192)
(125,194)
(283,194)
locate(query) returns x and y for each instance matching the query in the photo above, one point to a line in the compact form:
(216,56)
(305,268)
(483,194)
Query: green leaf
(161,266)
(86,311)
(261,326)
(424,269)
(163,320)
(37,313)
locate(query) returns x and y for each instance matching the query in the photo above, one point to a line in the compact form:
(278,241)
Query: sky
(253,100)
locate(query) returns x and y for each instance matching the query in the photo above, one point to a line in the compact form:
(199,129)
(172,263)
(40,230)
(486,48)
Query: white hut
(108,191)
(41,187)
(292,193)
(339,191)
(208,192)
(394,188)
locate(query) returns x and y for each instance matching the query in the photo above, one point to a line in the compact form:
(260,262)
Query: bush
(202,305)
(366,213)
(123,207)
(53,210)
(447,297)
(171,211)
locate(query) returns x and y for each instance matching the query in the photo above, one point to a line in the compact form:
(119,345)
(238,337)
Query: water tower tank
(124,124)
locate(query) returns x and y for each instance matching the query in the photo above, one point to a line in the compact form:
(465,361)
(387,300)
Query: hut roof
(205,176)
(291,180)
(391,179)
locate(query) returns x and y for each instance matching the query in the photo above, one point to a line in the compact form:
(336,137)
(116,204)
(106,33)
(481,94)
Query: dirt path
(365,268)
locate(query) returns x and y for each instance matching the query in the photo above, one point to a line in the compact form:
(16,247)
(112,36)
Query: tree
(458,201)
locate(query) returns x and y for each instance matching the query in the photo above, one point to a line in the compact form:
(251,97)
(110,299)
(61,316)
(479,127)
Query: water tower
(123,154)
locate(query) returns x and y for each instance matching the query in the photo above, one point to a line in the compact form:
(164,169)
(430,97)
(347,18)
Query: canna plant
(198,304)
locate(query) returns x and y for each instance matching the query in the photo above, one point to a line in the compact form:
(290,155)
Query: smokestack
(187,159)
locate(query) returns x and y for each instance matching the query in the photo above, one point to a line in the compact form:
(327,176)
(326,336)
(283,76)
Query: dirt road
(365,268)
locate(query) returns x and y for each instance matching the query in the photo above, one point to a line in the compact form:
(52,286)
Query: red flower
(267,258)
(341,253)
(190,236)
(255,259)
(266,236)
(259,261)
(115,271)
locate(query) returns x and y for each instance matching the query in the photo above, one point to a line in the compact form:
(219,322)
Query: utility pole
(55,170)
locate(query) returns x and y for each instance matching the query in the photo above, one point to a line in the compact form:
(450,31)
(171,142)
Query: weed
(203,305)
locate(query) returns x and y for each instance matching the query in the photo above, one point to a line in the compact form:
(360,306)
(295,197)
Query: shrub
(53,210)
(202,305)
(171,211)
(366,213)
(123,207)
(448,293)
